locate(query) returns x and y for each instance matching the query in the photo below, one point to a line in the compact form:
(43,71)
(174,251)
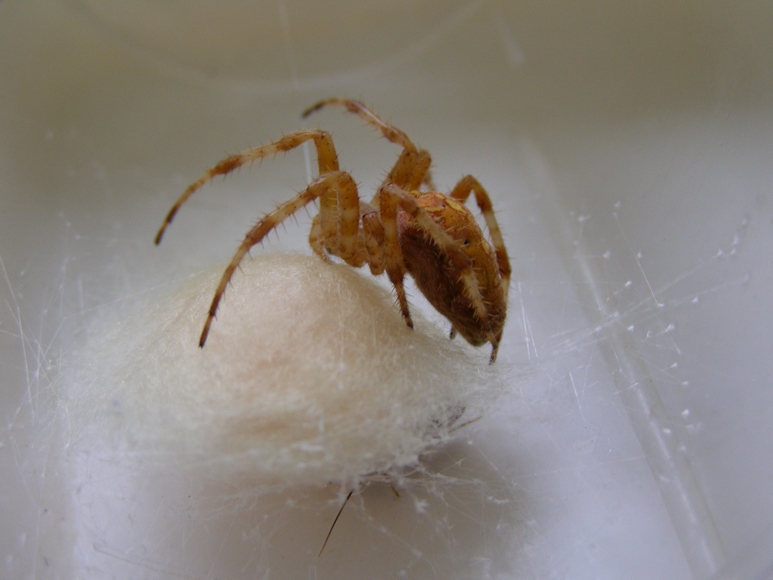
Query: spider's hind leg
(467,185)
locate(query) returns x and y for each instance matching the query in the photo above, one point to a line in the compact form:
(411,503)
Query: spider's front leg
(367,246)
(337,183)
(327,159)
(334,188)
(390,198)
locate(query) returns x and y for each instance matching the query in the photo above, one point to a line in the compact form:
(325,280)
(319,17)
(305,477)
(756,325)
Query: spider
(406,228)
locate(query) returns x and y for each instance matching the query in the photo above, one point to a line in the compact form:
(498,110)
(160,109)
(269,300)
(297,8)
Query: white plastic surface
(628,150)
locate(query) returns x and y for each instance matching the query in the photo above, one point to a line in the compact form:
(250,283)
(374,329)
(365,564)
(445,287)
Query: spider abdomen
(440,280)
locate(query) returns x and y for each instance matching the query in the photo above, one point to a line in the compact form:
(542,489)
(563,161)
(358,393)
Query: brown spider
(427,234)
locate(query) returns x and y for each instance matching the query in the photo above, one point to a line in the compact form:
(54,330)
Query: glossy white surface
(628,152)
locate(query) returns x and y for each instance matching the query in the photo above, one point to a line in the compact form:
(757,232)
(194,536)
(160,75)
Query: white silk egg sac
(309,376)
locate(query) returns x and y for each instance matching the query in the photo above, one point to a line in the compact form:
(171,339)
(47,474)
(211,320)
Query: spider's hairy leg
(316,239)
(339,221)
(318,243)
(337,181)
(419,175)
(388,130)
(427,181)
(393,258)
(409,171)
(467,185)
(411,168)
(374,236)
(327,159)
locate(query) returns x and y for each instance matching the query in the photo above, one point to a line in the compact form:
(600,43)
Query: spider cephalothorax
(403,229)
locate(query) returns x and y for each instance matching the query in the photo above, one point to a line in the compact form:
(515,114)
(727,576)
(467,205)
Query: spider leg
(409,171)
(388,130)
(467,185)
(374,237)
(327,159)
(316,240)
(395,266)
(336,182)
(420,174)
(391,197)
(411,168)
(430,185)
